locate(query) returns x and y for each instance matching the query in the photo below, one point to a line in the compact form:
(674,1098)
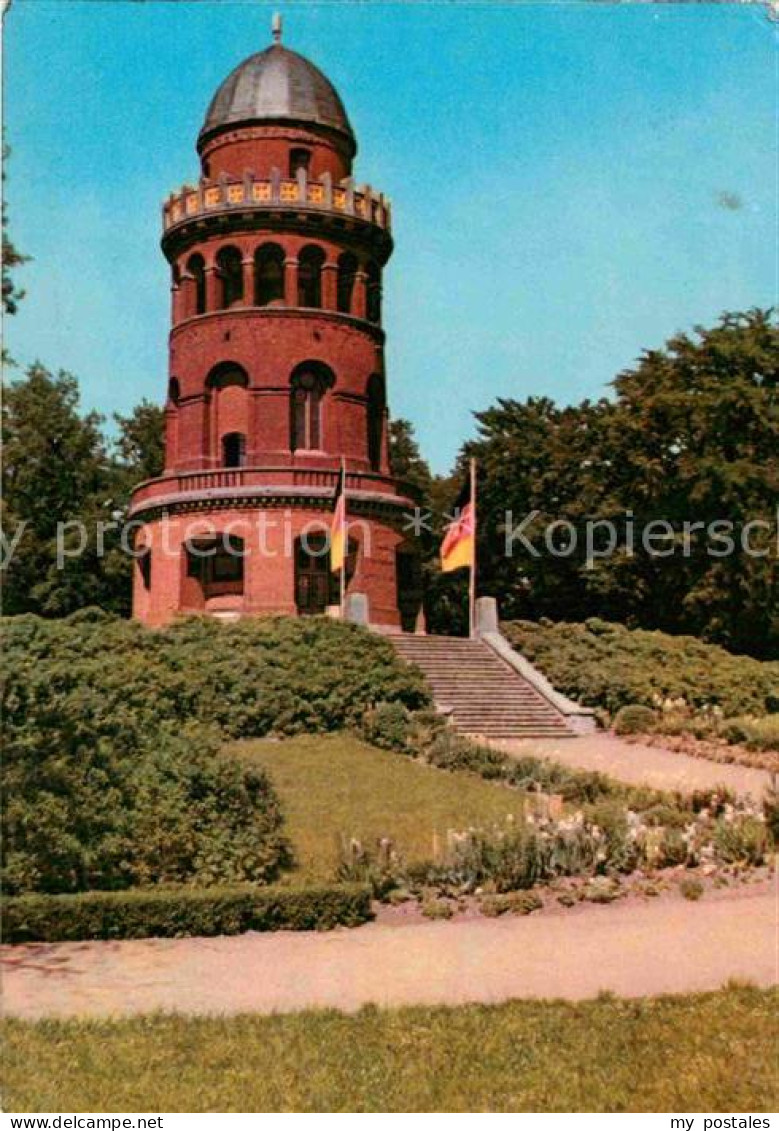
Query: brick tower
(276,368)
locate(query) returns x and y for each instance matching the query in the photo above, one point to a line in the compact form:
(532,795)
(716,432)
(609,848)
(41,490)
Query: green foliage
(11,257)
(741,839)
(388,726)
(691,435)
(691,888)
(754,733)
(141,442)
(451,751)
(771,812)
(634,719)
(609,666)
(171,912)
(510,903)
(58,468)
(437,909)
(112,731)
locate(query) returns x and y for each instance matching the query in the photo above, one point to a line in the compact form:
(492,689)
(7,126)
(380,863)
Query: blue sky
(571,182)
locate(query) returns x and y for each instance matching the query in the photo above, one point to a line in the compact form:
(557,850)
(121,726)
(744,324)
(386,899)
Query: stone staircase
(484,694)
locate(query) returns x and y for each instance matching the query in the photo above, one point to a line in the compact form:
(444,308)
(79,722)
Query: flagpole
(472,577)
(342,571)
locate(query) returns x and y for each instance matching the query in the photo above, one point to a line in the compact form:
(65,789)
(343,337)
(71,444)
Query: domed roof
(276,85)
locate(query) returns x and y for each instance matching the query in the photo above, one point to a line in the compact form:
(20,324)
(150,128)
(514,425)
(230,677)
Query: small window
(299,159)
(233,449)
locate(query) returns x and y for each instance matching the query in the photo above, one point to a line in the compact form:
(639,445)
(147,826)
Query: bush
(169,912)
(634,719)
(387,725)
(609,666)
(112,731)
(437,909)
(510,903)
(740,839)
(755,734)
(691,888)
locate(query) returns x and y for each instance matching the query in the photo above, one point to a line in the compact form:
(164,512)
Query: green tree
(12,258)
(141,442)
(61,488)
(692,435)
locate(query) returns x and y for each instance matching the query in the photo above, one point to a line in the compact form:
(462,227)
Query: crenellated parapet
(277,193)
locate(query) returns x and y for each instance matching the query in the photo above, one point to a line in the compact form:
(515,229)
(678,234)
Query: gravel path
(633,948)
(643,765)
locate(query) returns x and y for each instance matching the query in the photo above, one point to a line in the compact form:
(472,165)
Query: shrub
(388,725)
(159,808)
(437,909)
(511,903)
(740,839)
(691,888)
(608,666)
(169,912)
(754,733)
(601,890)
(112,733)
(634,719)
(379,868)
(771,812)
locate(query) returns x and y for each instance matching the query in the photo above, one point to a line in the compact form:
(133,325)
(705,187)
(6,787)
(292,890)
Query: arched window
(196,268)
(299,159)
(225,374)
(373,296)
(174,390)
(310,263)
(230,271)
(310,382)
(347,269)
(233,449)
(268,274)
(376,406)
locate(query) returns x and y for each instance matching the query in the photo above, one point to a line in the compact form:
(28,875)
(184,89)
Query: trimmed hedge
(176,912)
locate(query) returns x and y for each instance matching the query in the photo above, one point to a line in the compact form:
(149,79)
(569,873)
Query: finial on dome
(276,27)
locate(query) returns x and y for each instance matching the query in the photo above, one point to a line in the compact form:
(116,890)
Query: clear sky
(571,182)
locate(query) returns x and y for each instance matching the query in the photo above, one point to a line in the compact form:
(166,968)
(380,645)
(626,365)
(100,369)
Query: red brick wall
(269,568)
(261,148)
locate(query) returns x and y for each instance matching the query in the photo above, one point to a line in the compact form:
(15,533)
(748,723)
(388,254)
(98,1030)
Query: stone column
(359,295)
(213,297)
(248,282)
(291,281)
(329,286)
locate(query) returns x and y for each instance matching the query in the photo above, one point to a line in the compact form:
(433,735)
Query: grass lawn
(707,1052)
(335,785)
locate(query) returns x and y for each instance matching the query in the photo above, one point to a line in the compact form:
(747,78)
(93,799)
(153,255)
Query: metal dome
(276,85)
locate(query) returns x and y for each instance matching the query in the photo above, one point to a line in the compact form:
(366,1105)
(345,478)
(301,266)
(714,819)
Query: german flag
(459,545)
(338,526)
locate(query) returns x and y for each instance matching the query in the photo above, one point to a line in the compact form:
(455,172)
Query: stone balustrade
(269,481)
(275,193)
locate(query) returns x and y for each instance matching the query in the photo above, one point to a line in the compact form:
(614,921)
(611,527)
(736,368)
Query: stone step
(482,694)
